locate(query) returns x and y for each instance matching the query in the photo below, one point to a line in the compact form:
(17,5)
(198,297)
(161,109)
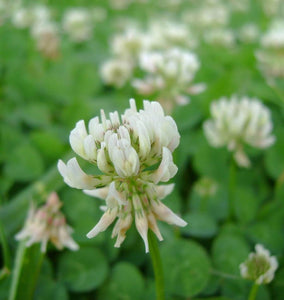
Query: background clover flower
(125,150)
(48,224)
(260,266)
(239,121)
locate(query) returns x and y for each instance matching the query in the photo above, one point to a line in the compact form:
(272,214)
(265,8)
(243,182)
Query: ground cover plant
(142,149)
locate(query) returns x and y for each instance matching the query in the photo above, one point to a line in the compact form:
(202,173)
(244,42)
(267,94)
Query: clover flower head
(134,154)
(22,18)
(77,24)
(129,44)
(249,33)
(48,224)
(206,187)
(169,73)
(239,121)
(46,37)
(166,35)
(260,266)
(271,55)
(116,72)
(220,37)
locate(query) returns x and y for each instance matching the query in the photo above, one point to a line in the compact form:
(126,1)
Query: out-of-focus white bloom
(274,37)
(249,33)
(260,266)
(46,36)
(77,24)
(206,187)
(271,55)
(165,35)
(171,74)
(129,44)
(125,149)
(236,122)
(119,4)
(48,224)
(41,14)
(116,72)
(220,37)
(98,14)
(272,7)
(208,15)
(22,18)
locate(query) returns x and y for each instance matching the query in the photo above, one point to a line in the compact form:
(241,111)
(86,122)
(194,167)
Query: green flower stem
(6,254)
(157,266)
(253,292)
(25,273)
(231,189)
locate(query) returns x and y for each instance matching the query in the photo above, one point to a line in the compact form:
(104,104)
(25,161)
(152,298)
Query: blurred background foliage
(42,99)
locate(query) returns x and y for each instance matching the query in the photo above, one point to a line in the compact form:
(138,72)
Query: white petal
(163,213)
(106,219)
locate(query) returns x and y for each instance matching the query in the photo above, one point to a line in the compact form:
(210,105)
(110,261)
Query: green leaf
(200,224)
(274,159)
(24,163)
(49,289)
(125,283)
(48,144)
(229,251)
(186,267)
(270,235)
(83,270)
(212,162)
(245,205)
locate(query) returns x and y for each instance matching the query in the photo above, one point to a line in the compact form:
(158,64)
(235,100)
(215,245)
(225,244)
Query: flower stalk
(157,266)
(253,291)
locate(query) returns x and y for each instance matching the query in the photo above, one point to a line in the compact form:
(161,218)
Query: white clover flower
(165,35)
(209,14)
(48,224)
(271,55)
(22,18)
(40,14)
(206,187)
(171,73)
(116,72)
(274,37)
(220,37)
(236,122)
(134,153)
(129,44)
(260,266)
(77,24)
(249,33)
(47,40)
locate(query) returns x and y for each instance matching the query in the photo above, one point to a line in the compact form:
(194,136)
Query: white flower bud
(260,266)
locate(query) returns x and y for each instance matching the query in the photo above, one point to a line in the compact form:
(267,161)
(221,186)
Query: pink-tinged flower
(134,153)
(47,223)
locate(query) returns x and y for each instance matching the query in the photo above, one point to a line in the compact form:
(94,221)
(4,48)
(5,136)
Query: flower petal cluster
(162,54)
(48,224)
(271,55)
(239,121)
(170,73)
(134,154)
(77,24)
(260,266)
